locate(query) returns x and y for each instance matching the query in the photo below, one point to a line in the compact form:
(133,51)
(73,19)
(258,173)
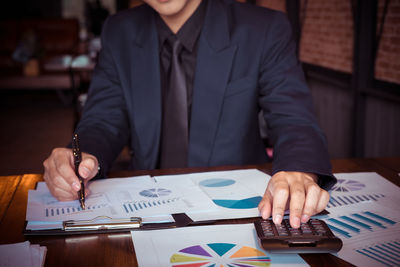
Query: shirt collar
(188,33)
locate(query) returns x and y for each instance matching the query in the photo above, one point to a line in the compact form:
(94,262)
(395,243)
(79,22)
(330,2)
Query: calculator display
(312,237)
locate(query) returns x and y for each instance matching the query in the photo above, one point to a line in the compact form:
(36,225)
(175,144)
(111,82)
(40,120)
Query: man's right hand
(59,173)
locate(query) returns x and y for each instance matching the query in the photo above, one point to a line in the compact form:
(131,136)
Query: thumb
(88,167)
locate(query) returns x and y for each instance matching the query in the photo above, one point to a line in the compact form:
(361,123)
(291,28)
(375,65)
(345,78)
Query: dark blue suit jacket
(246,62)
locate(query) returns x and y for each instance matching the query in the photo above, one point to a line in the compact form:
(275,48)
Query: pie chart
(155,192)
(217,182)
(220,254)
(230,202)
(347,186)
(247,203)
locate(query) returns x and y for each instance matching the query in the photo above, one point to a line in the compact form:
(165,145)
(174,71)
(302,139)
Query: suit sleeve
(104,128)
(299,143)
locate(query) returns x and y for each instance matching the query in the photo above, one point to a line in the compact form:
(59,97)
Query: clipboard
(105,224)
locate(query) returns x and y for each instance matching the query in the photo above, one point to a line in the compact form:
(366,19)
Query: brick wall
(387,66)
(327,35)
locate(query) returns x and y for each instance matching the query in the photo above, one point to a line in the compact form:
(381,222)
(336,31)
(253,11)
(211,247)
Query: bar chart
(134,206)
(370,234)
(57,211)
(97,204)
(349,225)
(338,201)
(387,253)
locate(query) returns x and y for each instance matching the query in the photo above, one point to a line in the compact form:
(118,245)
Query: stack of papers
(216,245)
(365,214)
(22,254)
(202,196)
(234,194)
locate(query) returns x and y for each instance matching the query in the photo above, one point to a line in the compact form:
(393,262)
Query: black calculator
(312,237)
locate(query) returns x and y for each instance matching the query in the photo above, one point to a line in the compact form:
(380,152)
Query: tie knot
(175,44)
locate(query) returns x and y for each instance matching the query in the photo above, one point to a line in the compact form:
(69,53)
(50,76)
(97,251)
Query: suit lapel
(146,96)
(214,59)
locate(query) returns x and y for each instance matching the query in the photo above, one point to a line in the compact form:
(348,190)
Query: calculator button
(268,234)
(283,234)
(282,231)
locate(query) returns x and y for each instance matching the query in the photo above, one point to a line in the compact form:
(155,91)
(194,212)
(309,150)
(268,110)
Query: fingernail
(264,215)
(296,222)
(305,218)
(76,186)
(85,172)
(277,219)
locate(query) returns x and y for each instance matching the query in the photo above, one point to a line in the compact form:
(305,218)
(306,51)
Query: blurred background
(350,51)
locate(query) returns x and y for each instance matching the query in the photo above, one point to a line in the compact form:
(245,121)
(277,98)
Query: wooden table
(117,249)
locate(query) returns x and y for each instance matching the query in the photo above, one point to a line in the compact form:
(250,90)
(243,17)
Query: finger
(323,201)
(265,205)
(58,192)
(62,195)
(56,168)
(88,167)
(311,201)
(297,198)
(66,174)
(280,196)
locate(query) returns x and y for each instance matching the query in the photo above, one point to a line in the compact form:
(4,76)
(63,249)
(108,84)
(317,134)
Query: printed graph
(228,193)
(57,211)
(343,185)
(54,208)
(348,226)
(155,192)
(220,254)
(337,201)
(217,182)
(387,253)
(247,203)
(134,206)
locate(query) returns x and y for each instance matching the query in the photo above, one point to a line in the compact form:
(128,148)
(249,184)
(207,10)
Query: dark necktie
(174,141)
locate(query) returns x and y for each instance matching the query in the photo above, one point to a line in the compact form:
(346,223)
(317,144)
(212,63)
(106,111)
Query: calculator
(312,237)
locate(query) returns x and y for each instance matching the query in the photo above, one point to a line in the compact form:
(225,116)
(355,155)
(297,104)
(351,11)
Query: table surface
(117,249)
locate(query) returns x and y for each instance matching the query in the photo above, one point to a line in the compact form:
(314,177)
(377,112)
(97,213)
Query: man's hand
(59,173)
(296,190)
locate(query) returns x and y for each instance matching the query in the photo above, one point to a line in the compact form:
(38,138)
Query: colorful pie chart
(220,255)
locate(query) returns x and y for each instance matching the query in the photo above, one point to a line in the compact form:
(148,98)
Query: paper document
(234,194)
(216,245)
(365,214)
(202,196)
(22,254)
(370,233)
(359,187)
(116,198)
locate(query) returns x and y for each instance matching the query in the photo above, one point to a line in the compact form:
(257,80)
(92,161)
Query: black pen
(77,160)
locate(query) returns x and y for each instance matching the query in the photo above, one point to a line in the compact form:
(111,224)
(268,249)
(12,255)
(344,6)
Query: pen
(77,160)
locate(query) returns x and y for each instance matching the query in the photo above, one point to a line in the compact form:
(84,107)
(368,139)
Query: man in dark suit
(234,60)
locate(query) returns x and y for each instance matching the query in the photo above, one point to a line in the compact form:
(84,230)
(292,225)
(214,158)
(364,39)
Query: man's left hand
(297,191)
